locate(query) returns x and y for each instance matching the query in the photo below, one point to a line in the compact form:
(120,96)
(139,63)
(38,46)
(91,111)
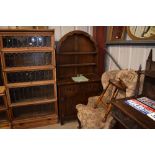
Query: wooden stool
(118,86)
(5,107)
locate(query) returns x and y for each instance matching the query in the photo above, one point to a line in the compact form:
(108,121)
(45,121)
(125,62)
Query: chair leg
(79,124)
(107,113)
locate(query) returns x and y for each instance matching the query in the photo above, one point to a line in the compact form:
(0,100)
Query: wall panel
(130,57)
(66,29)
(137,57)
(124,57)
(62,30)
(57,31)
(115,55)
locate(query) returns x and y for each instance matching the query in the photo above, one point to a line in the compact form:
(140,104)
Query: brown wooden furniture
(28,65)
(4,110)
(76,54)
(116,33)
(127,116)
(99,35)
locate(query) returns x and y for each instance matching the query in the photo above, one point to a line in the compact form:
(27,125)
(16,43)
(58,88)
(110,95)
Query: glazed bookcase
(29,74)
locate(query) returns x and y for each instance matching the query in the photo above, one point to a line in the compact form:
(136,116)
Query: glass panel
(3,116)
(28,59)
(33,111)
(2,102)
(26,41)
(31,93)
(30,76)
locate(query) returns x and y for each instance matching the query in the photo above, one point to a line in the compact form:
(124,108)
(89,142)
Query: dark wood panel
(99,34)
(77,53)
(73,94)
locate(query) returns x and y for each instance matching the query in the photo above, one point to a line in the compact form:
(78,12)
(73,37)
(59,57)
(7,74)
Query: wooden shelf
(91,77)
(32,102)
(28,118)
(2,108)
(28,84)
(5,124)
(27,49)
(28,68)
(132,42)
(76,53)
(77,65)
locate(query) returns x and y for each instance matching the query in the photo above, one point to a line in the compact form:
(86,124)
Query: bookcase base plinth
(36,122)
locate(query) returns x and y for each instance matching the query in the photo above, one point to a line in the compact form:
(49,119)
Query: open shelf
(76,53)
(91,77)
(28,84)
(28,68)
(77,65)
(32,102)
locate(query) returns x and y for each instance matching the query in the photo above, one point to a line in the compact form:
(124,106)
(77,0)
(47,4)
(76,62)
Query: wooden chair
(96,114)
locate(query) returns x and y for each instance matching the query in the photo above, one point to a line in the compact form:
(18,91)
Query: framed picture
(116,33)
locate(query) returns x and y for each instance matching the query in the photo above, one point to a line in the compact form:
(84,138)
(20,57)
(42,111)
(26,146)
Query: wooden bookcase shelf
(29,123)
(20,50)
(68,80)
(3,108)
(28,84)
(76,54)
(33,102)
(28,65)
(77,65)
(29,68)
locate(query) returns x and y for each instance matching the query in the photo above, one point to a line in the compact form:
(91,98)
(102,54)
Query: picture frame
(116,33)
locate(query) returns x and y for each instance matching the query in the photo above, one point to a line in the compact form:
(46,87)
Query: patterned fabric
(92,114)
(129,78)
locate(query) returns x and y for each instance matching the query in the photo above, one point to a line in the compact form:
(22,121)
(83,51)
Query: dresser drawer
(125,120)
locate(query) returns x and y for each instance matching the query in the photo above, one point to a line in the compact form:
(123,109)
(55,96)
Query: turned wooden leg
(79,124)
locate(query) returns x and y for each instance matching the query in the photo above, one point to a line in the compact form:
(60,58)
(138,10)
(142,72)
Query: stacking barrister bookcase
(29,74)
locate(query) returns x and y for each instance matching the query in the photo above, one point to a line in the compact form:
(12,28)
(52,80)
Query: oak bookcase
(29,74)
(77,54)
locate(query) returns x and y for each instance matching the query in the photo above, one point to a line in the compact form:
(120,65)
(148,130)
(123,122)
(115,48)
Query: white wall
(62,30)
(129,57)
